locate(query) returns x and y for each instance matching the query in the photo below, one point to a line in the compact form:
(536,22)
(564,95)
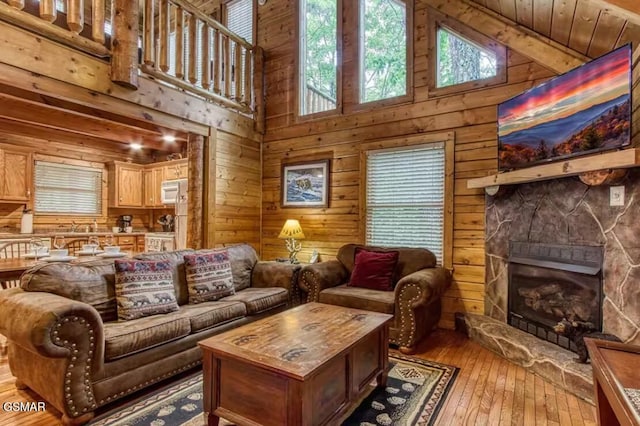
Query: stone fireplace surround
(561,211)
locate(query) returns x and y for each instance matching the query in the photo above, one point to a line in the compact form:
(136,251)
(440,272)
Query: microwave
(173,190)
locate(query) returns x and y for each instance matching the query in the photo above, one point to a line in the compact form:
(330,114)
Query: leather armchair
(415,301)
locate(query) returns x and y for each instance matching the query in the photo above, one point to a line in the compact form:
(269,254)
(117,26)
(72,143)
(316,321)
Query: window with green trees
(461,60)
(318,81)
(383,49)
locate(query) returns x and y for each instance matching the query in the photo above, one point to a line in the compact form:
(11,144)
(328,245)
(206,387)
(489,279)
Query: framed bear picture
(305,184)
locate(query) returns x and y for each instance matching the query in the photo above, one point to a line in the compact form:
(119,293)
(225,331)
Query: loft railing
(42,17)
(190,50)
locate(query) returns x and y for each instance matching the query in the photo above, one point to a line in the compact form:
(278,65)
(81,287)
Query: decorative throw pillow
(209,276)
(144,288)
(374,269)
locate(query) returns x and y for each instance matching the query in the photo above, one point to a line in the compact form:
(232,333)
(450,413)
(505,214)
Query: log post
(149,39)
(164,13)
(179,42)
(217,61)
(206,61)
(97,20)
(246,94)
(75,15)
(195,153)
(226,52)
(48,10)
(124,62)
(193,54)
(237,71)
(18,4)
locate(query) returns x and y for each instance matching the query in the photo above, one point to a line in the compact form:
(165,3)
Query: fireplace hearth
(549,282)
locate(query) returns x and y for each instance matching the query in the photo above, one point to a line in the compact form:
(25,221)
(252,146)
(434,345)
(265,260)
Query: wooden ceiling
(77,131)
(590,27)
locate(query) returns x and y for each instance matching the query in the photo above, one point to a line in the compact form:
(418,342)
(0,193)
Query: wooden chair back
(12,250)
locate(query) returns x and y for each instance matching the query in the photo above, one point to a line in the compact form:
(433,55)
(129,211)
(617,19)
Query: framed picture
(305,184)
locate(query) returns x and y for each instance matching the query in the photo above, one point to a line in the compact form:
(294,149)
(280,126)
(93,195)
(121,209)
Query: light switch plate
(616,196)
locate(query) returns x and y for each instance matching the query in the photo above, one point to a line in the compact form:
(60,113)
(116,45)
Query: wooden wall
(471,115)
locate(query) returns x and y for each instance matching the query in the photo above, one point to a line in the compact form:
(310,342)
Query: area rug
(416,390)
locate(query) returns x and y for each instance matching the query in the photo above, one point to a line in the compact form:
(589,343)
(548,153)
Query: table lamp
(291,231)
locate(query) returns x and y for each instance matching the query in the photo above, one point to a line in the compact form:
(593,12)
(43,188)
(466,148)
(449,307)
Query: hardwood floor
(488,391)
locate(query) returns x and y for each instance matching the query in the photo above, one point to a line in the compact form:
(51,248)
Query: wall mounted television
(583,111)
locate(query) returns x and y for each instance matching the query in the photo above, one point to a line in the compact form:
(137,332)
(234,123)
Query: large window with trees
(383,49)
(318,74)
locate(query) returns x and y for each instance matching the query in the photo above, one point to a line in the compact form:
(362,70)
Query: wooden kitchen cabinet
(153,177)
(177,169)
(126,185)
(16,169)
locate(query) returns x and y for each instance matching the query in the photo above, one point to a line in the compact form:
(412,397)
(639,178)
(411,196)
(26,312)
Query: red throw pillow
(374,269)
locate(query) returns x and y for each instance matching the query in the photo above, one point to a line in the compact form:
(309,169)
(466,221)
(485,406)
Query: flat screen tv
(586,110)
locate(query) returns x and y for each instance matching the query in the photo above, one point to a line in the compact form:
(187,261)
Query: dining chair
(76,245)
(12,250)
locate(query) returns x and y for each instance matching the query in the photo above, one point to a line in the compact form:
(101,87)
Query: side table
(616,381)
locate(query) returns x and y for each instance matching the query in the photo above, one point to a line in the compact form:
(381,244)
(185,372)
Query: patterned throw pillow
(208,276)
(144,288)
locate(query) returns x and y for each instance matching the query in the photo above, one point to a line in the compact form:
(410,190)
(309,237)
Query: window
(405,203)
(462,58)
(318,75)
(383,49)
(239,18)
(67,189)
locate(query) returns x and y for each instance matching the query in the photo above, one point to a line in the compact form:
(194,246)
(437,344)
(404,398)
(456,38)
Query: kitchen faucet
(74,226)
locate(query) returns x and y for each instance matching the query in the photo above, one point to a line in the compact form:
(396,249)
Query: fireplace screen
(549,282)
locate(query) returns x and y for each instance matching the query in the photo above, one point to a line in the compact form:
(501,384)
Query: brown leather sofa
(66,344)
(415,301)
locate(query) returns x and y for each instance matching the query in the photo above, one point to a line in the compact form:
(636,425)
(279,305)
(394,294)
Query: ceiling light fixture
(169,138)
(136,146)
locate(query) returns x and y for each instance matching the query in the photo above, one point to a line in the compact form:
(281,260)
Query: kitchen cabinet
(126,185)
(15,175)
(177,169)
(153,177)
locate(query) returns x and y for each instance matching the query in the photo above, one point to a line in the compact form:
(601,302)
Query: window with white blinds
(67,189)
(405,198)
(240,18)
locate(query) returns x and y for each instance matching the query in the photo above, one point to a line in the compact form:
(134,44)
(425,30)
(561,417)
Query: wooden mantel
(609,160)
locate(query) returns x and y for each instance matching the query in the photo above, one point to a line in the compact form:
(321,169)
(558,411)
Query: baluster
(206,65)
(97,20)
(217,61)
(179,42)
(246,94)
(149,39)
(193,31)
(75,15)
(226,49)
(237,71)
(163,19)
(48,10)
(18,4)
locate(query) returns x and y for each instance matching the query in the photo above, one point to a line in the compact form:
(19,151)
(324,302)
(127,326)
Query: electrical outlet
(616,196)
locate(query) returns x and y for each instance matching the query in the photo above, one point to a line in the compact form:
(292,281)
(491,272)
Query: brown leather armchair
(415,301)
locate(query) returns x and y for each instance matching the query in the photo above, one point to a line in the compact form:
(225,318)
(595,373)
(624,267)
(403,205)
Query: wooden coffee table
(304,366)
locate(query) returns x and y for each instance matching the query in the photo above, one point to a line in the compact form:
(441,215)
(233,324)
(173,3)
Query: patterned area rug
(416,390)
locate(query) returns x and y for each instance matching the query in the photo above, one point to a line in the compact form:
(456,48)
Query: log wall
(471,116)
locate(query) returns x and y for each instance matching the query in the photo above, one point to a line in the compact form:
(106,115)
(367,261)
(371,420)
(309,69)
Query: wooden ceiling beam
(625,9)
(540,49)
(28,111)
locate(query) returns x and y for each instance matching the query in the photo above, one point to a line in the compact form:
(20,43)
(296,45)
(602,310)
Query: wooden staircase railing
(41,22)
(206,58)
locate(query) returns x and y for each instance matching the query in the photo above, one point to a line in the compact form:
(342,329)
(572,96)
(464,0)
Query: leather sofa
(66,344)
(415,301)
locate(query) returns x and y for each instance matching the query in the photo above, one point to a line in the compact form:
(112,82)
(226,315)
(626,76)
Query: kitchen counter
(67,234)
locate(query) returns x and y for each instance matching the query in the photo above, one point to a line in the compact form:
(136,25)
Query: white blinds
(405,198)
(240,18)
(62,188)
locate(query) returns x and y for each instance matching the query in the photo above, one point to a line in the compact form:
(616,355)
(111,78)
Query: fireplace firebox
(549,282)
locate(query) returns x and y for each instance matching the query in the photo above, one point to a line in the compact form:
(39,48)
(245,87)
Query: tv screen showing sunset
(585,110)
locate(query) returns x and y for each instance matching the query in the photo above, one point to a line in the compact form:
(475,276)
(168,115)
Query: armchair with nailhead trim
(415,301)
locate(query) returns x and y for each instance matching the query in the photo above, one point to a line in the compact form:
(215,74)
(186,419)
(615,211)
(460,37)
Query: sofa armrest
(274,274)
(422,287)
(53,326)
(316,277)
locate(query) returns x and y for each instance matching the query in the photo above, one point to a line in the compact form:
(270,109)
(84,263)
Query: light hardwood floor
(488,391)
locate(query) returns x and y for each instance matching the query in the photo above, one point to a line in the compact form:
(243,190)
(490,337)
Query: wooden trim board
(609,160)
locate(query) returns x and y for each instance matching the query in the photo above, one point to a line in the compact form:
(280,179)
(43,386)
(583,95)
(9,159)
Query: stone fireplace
(550,282)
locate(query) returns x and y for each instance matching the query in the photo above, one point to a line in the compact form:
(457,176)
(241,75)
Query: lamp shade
(291,229)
